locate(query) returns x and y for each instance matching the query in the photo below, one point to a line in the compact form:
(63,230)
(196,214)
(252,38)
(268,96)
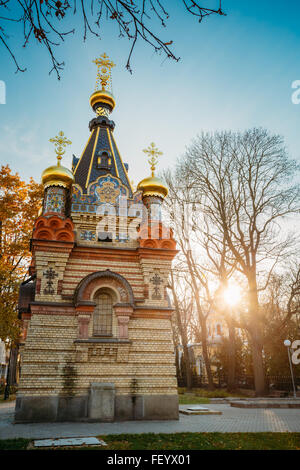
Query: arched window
(103,160)
(102,325)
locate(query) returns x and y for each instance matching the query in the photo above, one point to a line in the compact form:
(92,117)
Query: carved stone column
(83,327)
(123,313)
(25,324)
(84,317)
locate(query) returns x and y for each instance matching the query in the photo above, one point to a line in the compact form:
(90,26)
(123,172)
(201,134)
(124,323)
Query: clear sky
(235,72)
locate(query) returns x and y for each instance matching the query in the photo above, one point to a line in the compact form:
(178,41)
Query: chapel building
(97,340)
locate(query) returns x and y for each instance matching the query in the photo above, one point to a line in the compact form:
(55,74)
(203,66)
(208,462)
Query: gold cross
(153,153)
(104,66)
(60,141)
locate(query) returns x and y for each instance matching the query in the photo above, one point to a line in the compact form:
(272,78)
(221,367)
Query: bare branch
(133,18)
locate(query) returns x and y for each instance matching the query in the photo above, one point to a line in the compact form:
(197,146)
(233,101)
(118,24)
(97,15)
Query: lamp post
(287,344)
(298,321)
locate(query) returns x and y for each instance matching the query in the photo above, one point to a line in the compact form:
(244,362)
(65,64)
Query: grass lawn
(217,393)
(202,395)
(186,441)
(192,399)
(14,444)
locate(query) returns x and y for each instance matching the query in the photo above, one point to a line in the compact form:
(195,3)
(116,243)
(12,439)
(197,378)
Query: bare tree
(281,301)
(245,182)
(179,207)
(183,311)
(279,323)
(214,262)
(206,256)
(42,19)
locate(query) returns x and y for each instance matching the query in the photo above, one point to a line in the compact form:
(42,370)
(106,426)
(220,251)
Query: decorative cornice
(101,121)
(102,340)
(53,228)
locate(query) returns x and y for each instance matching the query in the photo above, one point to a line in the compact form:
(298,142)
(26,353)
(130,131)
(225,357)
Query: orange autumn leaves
(19,205)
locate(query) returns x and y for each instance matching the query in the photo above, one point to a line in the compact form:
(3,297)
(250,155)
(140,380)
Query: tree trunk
(231,356)
(258,364)
(188,369)
(211,385)
(186,356)
(202,322)
(256,330)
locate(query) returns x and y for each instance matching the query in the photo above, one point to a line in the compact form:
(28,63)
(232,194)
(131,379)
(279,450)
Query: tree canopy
(45,20)
(19,205)
(234,199)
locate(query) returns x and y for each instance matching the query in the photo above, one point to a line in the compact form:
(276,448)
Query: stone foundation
(30,409)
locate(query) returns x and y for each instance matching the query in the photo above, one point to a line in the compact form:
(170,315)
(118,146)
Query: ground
(232,420)
(185,441)
(236,428)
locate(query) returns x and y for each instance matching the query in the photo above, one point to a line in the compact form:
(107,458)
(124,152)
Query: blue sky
(235,72)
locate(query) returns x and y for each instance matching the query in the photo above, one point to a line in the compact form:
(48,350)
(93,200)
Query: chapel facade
(97,340)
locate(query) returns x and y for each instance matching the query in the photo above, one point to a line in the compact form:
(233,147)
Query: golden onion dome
(102,98)
(102,101)
(153,186)
(57,175)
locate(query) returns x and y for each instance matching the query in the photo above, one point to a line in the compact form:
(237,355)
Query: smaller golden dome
(100,97)
(57,175)
(153,186)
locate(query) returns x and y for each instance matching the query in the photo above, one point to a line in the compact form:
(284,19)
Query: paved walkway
(232,420)
(267,403)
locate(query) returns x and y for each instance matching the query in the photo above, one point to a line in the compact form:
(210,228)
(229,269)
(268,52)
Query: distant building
(216,329)
(3,362)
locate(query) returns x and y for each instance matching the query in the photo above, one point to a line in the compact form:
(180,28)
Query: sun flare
(232,295)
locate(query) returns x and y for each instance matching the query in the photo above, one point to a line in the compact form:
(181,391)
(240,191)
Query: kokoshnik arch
(97,341)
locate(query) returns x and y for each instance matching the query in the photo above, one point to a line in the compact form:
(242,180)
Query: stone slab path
(72,442)
(267,403)
(231,420)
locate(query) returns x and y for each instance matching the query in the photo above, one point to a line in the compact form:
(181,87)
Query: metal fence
(283,383)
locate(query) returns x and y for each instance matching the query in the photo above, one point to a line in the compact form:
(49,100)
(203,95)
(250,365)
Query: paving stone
(197,408)
(267,403)
(218,401)
(199,411)
(72,441)
(232,420)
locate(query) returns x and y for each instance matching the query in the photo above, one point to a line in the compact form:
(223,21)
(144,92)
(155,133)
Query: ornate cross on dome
(153,153)
(104,66)
(60,142)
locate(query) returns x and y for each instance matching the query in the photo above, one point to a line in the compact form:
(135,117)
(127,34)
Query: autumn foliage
(19,206)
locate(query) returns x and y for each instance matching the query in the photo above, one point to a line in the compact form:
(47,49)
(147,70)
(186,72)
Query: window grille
(103,315)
